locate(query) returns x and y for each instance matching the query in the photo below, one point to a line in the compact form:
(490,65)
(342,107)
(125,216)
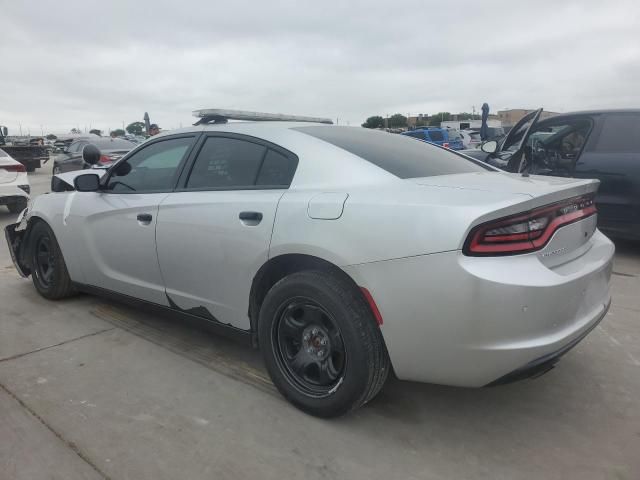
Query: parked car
(14,183)
(435,135)
(71,158)
(601,144)
(455,139)
(334,250)
(470,138)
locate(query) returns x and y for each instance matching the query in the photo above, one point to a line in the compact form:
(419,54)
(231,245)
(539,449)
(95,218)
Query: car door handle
(145,218)
(250,218)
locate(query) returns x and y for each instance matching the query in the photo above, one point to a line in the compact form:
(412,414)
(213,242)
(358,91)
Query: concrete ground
(93,389)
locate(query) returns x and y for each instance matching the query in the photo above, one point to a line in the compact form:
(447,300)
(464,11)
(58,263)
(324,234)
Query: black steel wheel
(309,346)
(321,344)
(48,269)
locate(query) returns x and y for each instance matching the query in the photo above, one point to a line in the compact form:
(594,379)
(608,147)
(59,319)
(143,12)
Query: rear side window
(619,134)
(436,135)
(226,163)
(277,169)
(397,154)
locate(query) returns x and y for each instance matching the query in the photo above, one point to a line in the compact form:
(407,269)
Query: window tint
(620,133)
(226,163)
(154,168)
(436,135)
(397,154)
(277,169)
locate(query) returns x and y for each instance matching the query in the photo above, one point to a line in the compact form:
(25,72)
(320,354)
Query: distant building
(512,116)
(419,120)
(472,124)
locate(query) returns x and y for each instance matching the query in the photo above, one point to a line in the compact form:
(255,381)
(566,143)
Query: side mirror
(91,154)
(489,147)
(87,182)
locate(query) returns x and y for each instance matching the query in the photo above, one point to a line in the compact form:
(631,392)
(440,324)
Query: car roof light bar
(219,115)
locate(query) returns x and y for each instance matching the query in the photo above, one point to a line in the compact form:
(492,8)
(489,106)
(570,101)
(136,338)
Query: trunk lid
(521,195)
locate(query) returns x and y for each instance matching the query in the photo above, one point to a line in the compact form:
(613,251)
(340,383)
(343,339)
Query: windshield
(399,155)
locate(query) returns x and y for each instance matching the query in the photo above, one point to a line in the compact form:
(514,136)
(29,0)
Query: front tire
(321,344)
(48,270)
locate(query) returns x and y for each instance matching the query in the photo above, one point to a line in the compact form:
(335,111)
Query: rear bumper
(12,193)
(545,363)
(469,321)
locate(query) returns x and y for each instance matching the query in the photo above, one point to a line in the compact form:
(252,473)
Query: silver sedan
(342,253)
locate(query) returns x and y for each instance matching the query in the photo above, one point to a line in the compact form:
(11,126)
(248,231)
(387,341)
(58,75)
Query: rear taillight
(105,159)
(529,231)
(14,168)
(445,145)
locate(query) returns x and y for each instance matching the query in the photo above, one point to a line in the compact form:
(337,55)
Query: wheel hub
(315,341)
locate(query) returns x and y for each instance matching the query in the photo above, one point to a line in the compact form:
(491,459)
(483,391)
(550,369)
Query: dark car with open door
(602,144)
(112,149)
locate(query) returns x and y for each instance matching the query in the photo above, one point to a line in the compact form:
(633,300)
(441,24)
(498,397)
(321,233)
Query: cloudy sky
(66,64)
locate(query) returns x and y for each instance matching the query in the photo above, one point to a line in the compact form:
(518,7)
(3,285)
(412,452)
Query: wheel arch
(277,268)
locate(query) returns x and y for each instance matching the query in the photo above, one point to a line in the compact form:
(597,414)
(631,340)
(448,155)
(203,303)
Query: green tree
(374,122)
(51,136)
(136,128)
(435,119)
(118,132)
(95,131)
(397,120)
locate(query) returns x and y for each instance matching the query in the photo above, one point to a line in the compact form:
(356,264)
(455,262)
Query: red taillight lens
(529,231)
(105,159)
(14,168)
(445,145)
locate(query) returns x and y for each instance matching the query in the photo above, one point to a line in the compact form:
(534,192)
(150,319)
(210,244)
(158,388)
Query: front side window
(226,163)
(155,168)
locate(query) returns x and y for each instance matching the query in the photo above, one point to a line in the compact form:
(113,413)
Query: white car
(14,183)
(342,252)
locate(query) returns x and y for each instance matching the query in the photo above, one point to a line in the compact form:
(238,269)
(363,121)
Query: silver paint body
(448,318)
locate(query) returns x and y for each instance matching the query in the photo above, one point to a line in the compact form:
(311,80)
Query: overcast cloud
(67,64)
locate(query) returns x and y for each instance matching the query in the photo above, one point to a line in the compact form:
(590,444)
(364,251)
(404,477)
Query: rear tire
(321,344)
(48,269)
(18,206)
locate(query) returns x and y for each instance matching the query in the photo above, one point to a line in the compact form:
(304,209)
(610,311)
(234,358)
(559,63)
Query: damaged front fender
(15,241)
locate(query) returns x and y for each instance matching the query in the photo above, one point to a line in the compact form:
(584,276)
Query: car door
(612,156)
(116,225)
(213,233)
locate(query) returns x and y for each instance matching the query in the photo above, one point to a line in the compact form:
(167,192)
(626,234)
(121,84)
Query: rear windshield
(114,144)
(399,155)
(436,135)
(453,135)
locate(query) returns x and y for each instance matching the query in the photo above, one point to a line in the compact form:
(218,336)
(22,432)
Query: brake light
(14,168)
(445,145)
(105,159)
(529,231)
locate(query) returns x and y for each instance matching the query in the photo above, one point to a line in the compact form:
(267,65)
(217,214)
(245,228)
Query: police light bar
(219,115)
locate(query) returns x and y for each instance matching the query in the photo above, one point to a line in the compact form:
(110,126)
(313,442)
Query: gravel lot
(93,389)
